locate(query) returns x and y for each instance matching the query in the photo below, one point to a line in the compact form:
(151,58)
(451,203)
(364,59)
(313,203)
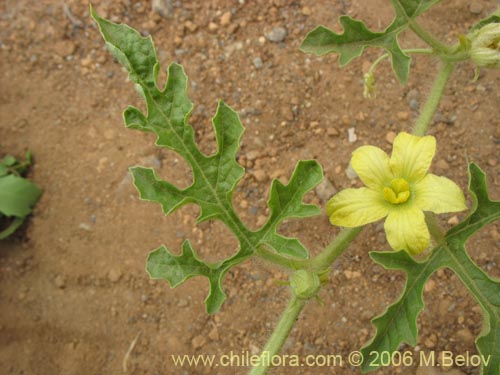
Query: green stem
(332,251)
(428,37)
(317,264)
(270,256)
(425,118)
(320,262)
(279,336)
(416,51)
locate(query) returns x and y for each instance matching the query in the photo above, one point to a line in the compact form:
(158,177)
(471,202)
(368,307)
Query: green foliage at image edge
(17,194)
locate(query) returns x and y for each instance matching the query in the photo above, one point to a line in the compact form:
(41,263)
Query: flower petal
(356,207)
(439,195)
(406,230)
(372,166)
(412,156)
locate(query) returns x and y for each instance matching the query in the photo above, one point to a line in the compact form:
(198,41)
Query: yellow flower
(398,187)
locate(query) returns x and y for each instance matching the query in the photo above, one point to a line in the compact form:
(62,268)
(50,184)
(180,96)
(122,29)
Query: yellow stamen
(399,192)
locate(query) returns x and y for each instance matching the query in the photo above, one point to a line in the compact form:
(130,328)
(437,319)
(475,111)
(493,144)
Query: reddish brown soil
(74,293)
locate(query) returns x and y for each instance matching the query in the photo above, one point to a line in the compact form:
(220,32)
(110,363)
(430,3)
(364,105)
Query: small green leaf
(352,42)
(214,176)
(17,196)
(9,160)
(398,323)
(4,170)
(356,37)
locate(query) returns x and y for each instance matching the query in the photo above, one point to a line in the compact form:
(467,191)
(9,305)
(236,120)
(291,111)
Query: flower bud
(304,284)
(369,85)
(485,46)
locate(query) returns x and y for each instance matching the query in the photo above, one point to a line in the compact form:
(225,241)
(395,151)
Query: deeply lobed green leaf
(357,36)
(398,323)
(214,176)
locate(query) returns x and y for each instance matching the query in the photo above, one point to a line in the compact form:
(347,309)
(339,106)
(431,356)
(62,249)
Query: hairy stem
(280,260)
(416,51)
(279,336)
(428,37)
(332,251)
(321,261)
(430,106)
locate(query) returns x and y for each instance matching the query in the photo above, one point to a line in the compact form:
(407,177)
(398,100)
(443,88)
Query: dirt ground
(74,293)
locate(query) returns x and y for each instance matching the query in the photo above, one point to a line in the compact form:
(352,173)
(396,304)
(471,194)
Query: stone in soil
(114,275)
(277,35)
(163,7)
(225,19)
(475,8)
(325,190)
(257,62)
(198,342)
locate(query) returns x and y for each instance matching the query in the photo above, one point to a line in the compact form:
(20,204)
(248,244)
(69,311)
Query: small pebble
(453,220)
(465,336)
(163,7)
(261,220)
(277,35)
(346,120)
(212,26)
(414,104)
(257,62)
(260,175)
(442,165)
(306,11)
(475,8)
(85,226)
(403,116)
(198,342)
(325,190)
(352,274)
(429,285)
(225,19)
(351,135)
(431,341)
(190,26)
(214,334)
(252,155)
(64,48)
(390,136)
(244,203)
(332,132)
(60,281)
(114,275)
(350,173)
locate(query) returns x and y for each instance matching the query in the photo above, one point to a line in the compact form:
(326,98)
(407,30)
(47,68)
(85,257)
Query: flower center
(398,192)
